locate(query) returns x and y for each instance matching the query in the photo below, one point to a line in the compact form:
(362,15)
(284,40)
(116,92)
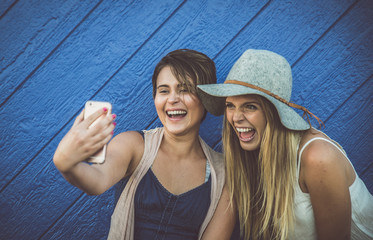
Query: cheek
(193,103)
(263,122)
(158,104)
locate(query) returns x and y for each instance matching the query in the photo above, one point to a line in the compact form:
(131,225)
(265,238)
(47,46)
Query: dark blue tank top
(160,214)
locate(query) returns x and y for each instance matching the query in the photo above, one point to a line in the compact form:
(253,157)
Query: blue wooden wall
(55,55)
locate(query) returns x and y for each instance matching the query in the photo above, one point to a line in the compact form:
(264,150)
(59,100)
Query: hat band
(290,104)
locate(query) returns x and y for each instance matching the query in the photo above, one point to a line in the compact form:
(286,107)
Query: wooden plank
(289,29)
(331,70)
(30,32)
(352,125)
(91,215)
(340,62)
(130,91)
(5,6)
(102,35)
(73,74)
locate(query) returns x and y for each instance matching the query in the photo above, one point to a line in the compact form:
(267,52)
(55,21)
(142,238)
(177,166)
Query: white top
(361,207)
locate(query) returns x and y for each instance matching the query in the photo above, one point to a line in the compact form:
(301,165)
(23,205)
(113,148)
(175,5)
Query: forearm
(222,224)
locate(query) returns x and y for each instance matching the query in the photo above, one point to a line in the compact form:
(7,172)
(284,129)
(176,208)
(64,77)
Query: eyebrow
(248,102)
(178,85)
(164,85)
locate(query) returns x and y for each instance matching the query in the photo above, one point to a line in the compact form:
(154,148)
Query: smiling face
(179,110)
(246,116)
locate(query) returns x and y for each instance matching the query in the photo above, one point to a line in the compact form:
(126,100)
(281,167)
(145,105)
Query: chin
(249,146)
(176,129)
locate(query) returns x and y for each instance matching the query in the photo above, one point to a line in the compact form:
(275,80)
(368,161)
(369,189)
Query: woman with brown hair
(174,182)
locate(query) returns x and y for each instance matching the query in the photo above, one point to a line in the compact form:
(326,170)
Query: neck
(181,147)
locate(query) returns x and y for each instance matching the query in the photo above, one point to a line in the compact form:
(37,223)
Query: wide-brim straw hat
(259,72)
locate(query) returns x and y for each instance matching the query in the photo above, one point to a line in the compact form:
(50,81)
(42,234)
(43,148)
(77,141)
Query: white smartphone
(90,108)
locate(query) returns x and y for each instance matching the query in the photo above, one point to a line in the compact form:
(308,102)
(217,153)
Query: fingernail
(112,132)
(114,123)
(114,116)
(105,109)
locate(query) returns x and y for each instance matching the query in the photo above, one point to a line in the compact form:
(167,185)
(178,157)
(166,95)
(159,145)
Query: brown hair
(186,65)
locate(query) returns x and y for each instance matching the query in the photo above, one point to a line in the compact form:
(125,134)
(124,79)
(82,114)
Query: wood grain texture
(5,6)
(291,19)
(55,55)
(59,88)
(352,123)
(30,33)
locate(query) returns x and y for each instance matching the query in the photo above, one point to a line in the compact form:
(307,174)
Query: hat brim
(213,98)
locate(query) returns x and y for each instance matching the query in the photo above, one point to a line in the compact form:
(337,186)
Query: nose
(237,115)
(174,97)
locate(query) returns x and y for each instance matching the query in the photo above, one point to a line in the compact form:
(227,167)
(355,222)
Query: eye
(250,107)
(184,90)
(229,105)
(163,91)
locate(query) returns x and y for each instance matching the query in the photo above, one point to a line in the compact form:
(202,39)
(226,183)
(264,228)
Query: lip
(247,139)
(175,109)
(177,117)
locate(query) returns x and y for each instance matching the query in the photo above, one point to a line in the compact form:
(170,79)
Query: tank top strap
(335,144)
(208,171)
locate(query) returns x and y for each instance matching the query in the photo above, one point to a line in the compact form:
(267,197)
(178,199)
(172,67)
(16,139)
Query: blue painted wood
(128,94)
(108,51)
(289,29)
(352,125)
(88,219)
(64,66)
(265,33)
(328,77)
(26,42)
(6,5)
(60,87)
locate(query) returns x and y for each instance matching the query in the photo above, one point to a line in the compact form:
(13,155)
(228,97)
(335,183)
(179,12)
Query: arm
(222,223)
(80,143)
(325,174)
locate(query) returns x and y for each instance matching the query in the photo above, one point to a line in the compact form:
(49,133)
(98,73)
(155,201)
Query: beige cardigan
(122,220)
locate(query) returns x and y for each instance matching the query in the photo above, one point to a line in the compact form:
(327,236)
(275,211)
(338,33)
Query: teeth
(244,129)
(176,112)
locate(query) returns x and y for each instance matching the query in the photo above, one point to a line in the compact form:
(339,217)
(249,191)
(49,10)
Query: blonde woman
(286,179)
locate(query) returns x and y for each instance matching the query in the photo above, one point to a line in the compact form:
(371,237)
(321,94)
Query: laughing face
(179,110)
(247,118)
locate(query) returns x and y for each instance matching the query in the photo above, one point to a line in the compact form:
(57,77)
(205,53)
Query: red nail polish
(114,123)
(105,109)
(114,116)
(112,132)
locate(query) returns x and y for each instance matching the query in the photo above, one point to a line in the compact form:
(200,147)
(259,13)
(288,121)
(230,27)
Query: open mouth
(246,134)
(176,114)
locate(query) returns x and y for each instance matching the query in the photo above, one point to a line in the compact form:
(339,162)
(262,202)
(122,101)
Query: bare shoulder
(126,141)
(322,162)
(320,152)
(129,137)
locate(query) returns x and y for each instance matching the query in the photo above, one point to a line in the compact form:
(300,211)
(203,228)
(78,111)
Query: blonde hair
(261,182)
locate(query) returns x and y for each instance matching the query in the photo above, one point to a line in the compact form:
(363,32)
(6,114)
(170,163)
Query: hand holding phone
(90,108)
